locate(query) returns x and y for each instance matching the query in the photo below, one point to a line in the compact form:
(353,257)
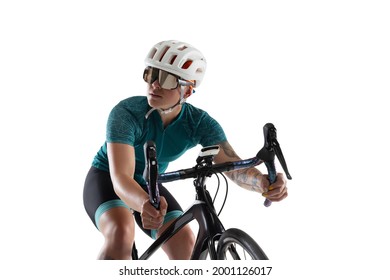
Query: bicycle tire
(232,237)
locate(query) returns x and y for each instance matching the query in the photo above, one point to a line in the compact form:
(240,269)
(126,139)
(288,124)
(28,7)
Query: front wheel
(235,244)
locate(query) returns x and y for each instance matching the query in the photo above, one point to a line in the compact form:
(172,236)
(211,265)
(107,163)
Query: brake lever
(280,157)
(267,154)
(151,173)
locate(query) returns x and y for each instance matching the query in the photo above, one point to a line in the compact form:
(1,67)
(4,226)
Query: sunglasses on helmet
(164,78)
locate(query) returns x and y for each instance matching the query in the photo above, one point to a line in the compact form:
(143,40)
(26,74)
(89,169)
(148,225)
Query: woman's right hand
(151,217)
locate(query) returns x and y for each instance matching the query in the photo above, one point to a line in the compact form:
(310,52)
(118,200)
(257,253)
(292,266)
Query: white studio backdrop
(318,70)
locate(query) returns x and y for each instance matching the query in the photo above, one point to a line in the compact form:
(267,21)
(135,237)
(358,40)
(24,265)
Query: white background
(318,70)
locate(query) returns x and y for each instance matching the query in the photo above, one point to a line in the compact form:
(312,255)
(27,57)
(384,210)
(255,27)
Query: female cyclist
(115,194)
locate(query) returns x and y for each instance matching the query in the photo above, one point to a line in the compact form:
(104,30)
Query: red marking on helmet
(187,64)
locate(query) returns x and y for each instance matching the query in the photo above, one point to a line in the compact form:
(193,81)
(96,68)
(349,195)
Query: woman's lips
(155,95)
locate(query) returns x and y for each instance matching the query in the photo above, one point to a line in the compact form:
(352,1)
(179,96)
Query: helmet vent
(182,48)
(173,59)
(152,53)
(186,64)
(163,53)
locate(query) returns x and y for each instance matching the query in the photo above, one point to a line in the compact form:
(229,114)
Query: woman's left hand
(277,191)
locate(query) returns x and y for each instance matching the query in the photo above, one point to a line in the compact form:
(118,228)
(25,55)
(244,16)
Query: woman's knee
(180,246)
(188,237)
(117,227)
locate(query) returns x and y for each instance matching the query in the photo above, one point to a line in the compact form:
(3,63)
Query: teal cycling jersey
(127,124)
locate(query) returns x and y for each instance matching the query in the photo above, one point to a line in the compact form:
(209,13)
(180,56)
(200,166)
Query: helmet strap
(170,109)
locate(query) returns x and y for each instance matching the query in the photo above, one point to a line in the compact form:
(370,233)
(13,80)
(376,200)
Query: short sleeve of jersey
(211,131)
(121,126)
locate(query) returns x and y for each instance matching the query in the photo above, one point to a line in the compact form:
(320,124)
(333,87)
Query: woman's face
(162,98)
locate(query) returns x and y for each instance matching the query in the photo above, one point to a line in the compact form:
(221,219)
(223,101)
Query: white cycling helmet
(178,58)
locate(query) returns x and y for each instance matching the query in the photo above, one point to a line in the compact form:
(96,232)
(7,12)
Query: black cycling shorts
(99,196)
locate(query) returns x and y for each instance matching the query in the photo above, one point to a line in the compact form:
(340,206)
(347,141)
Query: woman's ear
(188,92)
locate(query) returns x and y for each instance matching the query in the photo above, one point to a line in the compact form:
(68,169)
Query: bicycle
(213,239)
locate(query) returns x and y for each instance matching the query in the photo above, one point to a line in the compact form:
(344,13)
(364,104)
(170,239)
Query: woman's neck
(168,118)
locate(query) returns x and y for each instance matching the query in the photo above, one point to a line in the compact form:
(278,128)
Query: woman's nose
(156,84)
